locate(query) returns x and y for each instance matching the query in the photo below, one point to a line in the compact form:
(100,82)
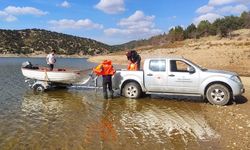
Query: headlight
(236,79)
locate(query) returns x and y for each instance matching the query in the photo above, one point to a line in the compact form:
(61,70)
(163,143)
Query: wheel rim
(39,89)
(131,91)
(218,95)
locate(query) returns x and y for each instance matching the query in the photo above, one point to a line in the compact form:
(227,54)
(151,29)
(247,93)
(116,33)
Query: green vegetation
(221,27)
(36,40)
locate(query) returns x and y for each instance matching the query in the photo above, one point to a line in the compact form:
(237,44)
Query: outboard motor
(27,65)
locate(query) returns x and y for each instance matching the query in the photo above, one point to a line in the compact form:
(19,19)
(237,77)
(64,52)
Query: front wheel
(218,94)
(38,88)
(132,90)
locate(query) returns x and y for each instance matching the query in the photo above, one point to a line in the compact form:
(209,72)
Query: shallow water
(82,119)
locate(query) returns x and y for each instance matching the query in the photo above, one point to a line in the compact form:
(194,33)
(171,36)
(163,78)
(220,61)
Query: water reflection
(83,120)
(151,121)
(47,120)
(76,119)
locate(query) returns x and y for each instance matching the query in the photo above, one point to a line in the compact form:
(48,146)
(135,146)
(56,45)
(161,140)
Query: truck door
(156,76)
(180,79)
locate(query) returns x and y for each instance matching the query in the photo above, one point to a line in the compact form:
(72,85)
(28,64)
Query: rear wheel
(38,88)
(218,94)
(132,90)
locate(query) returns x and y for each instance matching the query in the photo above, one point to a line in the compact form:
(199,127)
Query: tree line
(221,26)
(37,40)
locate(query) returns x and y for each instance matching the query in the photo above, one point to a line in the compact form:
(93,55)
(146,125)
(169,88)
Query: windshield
(197,66)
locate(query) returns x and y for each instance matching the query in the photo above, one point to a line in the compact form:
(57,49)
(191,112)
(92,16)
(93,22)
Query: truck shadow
(194,99)
(238,100)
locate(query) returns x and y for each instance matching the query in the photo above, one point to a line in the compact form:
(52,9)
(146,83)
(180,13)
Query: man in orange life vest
(106,70)
(134,60)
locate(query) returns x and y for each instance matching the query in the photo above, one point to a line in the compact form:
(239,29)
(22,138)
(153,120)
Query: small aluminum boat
(65,76)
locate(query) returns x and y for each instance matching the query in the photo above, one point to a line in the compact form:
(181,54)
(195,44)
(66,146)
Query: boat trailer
(41,85)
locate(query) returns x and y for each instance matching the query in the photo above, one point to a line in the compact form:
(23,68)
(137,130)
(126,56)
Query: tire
(38,88)
(132,90)
(218,94)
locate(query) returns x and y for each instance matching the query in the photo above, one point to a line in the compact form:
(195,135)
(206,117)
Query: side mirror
(191,69)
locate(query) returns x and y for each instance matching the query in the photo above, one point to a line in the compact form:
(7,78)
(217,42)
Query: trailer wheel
(38,88)
(218,94)
(132,90)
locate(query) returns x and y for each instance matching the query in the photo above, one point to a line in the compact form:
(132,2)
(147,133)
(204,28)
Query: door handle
(149,74)
(171,75)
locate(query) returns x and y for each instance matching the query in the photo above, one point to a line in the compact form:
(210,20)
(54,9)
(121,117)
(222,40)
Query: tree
(204,28)
(233,22)
(176,34)
(226,25)
(245,18)
(191,31)
(219,27)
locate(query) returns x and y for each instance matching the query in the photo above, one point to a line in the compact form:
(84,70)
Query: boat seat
(61,69)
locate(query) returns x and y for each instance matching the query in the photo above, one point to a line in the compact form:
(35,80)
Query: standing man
(135,60)
(106,70)
(51,60)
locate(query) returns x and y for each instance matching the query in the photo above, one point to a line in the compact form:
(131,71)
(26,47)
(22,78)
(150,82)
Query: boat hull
(65,76)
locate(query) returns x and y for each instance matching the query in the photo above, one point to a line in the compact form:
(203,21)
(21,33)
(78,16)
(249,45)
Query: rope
(89,79)
(46,75)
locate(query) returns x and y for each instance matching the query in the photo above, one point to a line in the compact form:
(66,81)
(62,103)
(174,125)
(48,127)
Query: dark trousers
(107,85)
(51,67)
(139,65)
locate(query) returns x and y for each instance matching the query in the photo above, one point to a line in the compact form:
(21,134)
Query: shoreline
(117,59)
(41,56)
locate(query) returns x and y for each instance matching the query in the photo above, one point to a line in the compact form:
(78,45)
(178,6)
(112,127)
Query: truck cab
(179,76)
(171,75)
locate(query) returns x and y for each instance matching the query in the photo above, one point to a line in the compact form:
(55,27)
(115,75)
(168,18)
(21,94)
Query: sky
(114,21)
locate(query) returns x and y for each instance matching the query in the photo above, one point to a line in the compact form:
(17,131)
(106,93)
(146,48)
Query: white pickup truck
(179,76)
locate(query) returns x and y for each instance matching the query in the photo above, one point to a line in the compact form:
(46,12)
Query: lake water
(82,119)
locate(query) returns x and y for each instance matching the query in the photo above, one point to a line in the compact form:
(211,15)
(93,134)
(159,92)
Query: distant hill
(153,42)
(42,41)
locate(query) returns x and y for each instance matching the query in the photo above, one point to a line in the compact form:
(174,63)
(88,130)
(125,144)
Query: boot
(111,94)
(105,95)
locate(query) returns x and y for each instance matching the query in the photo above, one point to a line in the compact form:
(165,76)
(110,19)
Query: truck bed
(122,75)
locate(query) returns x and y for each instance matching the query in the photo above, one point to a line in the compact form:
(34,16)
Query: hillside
(213,52)
(158,40)
(222,27)
(36,41)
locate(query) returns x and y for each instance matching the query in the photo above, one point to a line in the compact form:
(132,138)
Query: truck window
(178,66)
(157,65)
